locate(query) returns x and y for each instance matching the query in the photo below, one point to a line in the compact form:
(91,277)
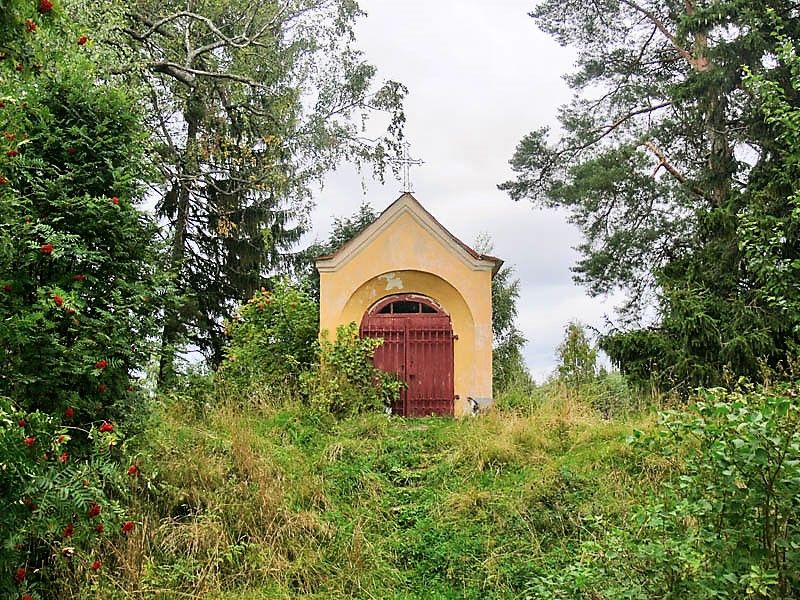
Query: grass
(282,503)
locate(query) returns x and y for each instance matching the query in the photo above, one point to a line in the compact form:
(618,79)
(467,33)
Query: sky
(480,76)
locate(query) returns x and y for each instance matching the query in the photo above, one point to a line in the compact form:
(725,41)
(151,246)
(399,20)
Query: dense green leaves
(664,150)
(250,104)
(272,340)
(80,299)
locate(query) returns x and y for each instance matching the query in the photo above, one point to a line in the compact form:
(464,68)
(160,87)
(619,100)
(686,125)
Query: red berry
(29,441)
(127,526)
(79,277)
(64,457)
(27,597)
(96,565)
(69,412)
(3,180)
(30,25)
(106,427)
(101,388)
(20,575)
(69,530)
(46,248)
(45,6)
(8,288)
(82,40)
(101,364)
(94,510)
(22,422)
(133,470)
(100,528)
(58,300)
(12,153)
(115,200)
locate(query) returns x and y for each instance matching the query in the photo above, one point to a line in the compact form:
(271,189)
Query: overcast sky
(480,75)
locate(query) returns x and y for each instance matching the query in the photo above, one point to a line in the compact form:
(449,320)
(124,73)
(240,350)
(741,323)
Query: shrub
(272,340)
(345,382)
(60,506)
(79,291)
(80,286)
(726,527)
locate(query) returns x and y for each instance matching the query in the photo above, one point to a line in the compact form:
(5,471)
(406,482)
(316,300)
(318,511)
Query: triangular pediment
(410,206)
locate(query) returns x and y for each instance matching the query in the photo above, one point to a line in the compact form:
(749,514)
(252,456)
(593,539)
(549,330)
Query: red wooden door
(418,346)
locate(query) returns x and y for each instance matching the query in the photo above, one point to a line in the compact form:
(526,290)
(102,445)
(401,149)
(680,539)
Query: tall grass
(265,499)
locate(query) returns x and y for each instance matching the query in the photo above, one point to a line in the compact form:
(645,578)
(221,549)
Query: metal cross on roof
(405,163)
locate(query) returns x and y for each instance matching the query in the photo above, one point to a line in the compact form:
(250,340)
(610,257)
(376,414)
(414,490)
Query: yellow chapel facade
(407,279)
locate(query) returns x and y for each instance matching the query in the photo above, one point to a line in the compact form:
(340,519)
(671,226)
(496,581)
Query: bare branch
(670,168)
(613,126)
(701,63)
(187,75)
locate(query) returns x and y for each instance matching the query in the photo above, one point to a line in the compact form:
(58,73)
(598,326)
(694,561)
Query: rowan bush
(80,292)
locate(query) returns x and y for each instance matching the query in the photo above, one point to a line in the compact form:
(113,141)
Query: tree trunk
(187,173)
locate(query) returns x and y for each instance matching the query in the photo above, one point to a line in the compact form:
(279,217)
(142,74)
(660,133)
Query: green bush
(61,506)
(724,524)
(272,340)
(344,382)
(79,295)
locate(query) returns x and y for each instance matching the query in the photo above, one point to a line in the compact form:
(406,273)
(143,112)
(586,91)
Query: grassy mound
(282,502)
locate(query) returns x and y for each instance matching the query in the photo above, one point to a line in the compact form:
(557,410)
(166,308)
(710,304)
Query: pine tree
(663,149)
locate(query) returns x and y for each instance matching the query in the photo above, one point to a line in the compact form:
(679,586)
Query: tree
(508,364)
(80,291)
(663,148)
(80,280)
(769,227)
(577,359)
(344,229)
(251,102)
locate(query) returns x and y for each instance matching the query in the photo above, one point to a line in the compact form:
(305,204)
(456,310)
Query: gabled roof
(407,204)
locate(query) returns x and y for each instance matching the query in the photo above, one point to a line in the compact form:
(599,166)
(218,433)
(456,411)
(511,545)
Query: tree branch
(670,168)
(700,63)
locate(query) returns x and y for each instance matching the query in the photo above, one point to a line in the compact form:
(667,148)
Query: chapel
(406,279)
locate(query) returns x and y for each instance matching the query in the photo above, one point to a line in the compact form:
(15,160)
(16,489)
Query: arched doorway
(417,345)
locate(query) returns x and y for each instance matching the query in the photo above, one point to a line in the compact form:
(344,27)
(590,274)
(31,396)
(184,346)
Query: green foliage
(769,226)
(577,358)
(723,526)
(345,383)
(648,168)
(61,504)
(251,103)
(79,275)
(271,341)
(81,294)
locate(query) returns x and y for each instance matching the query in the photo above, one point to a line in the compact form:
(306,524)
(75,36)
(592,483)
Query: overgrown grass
(280,502)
